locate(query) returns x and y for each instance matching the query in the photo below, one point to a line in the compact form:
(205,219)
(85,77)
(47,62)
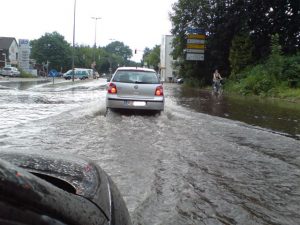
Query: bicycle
(217,87)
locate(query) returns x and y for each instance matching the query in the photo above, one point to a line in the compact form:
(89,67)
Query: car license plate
(135,103)
(138,103)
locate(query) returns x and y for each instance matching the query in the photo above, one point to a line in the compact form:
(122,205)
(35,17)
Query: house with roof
(9,51)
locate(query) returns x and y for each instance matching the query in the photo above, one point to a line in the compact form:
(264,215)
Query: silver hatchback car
(135,88)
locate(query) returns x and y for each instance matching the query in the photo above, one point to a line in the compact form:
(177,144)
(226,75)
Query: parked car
(179,80)
(79,74)
(135,88)
(59,74)
(39,188)
(10,71)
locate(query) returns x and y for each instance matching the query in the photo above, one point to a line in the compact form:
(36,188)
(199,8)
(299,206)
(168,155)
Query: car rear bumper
(117,103)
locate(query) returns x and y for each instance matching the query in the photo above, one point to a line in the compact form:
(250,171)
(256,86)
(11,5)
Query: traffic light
(135,51)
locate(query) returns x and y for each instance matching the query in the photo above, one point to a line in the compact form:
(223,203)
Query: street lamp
(95,44)
(73,53)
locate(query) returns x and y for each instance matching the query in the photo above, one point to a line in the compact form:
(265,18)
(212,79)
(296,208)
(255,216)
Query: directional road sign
(195,41)
(196,36)
(195,46)
(194,50)
(194,57)
(52,73)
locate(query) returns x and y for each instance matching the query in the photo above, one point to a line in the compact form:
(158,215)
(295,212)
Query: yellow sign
(196,36)
(195,46)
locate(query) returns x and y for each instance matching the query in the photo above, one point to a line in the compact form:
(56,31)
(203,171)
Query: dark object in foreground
(45,189)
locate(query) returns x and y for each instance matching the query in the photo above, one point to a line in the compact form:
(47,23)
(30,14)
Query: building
(167,71)
(9,51)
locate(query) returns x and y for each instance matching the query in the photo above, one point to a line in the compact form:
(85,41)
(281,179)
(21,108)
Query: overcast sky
(136,23)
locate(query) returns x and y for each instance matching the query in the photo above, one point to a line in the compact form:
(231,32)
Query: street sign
(52,73)
(194,50)
(191,30)
(195,41)
(24,42)
(196,36)
(24,54)
(194,57)
(195,46)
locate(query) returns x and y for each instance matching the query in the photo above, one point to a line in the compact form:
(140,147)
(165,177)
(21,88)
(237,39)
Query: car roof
(136,68)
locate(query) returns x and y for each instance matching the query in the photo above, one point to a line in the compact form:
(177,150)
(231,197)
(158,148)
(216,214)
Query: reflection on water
(23,85)
(277,115)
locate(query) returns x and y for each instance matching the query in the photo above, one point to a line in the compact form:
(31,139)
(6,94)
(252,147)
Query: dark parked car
(45,189)
(179,80)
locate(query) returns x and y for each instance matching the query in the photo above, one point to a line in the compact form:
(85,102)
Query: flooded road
(274,114)
(180,167)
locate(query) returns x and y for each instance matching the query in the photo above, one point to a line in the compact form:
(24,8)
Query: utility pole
(73,55)
(95,44)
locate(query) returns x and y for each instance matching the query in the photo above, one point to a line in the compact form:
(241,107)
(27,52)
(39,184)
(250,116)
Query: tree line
(54,49)
(238,34)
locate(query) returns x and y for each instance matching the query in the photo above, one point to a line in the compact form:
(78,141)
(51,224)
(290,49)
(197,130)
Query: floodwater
(180,167)
(273,114)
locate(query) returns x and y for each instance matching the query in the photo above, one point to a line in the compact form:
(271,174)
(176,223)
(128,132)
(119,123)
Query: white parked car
(81,74)
(10,71)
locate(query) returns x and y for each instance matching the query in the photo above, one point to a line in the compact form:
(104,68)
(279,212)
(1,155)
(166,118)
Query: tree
(118,48)
(84,56)
(152,57)
(267,18)
(52,48)
(240,54)
(220,21)
(224,20)
(275,61)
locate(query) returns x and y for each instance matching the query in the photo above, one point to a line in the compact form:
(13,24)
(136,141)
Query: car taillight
(159,91)
(112,88)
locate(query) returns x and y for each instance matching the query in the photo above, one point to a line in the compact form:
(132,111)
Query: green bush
(291,70)
(257,81)
(25,74)
(273,78)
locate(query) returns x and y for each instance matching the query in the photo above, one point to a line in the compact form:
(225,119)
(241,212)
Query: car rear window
(135,76)
(7,68)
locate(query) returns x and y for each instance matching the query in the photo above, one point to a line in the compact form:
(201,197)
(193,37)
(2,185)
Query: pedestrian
(216,76)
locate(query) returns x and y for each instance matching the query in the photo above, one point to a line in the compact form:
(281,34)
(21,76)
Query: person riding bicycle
(216,80)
